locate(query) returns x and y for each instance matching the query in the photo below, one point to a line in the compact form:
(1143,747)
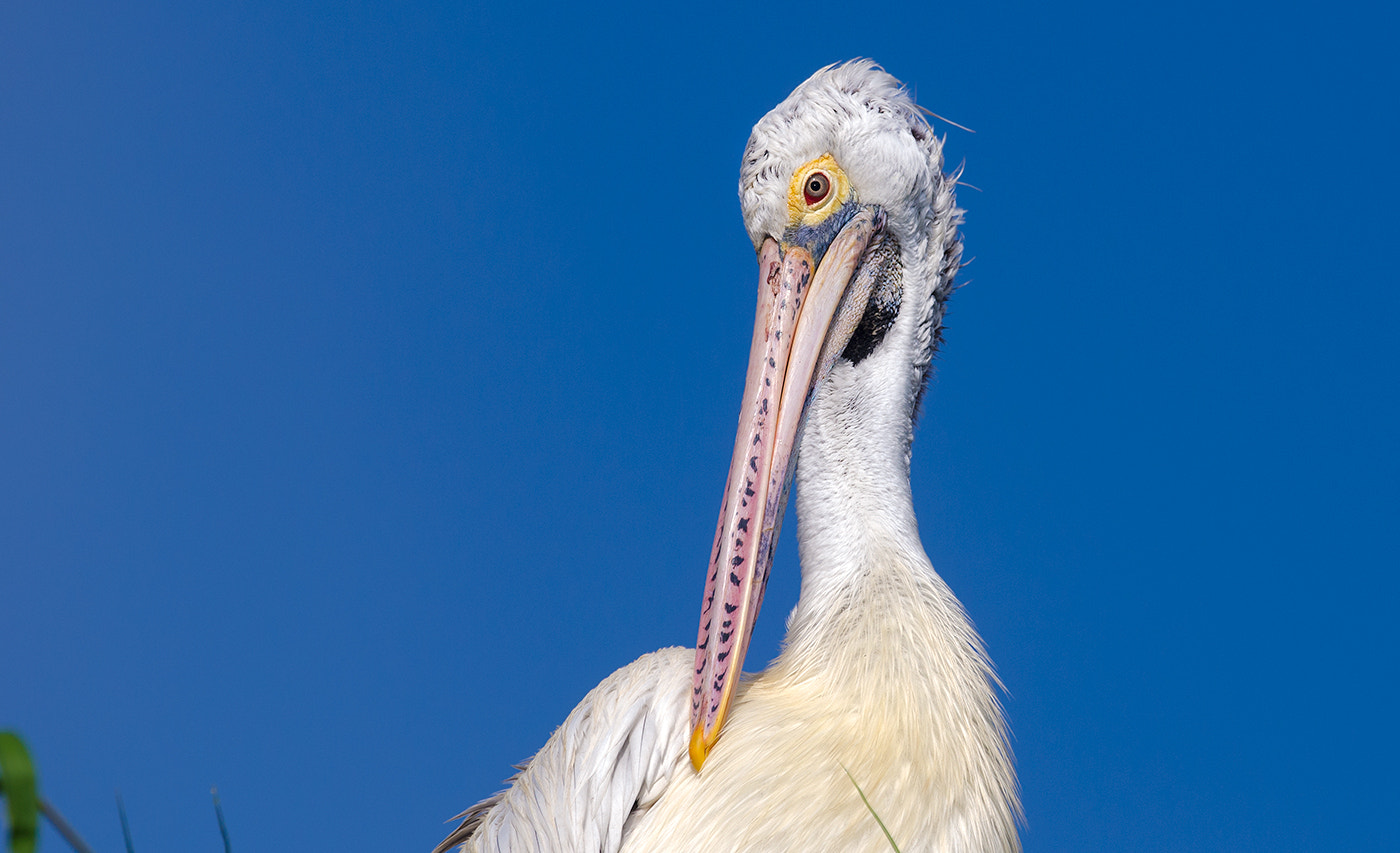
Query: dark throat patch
(883,306)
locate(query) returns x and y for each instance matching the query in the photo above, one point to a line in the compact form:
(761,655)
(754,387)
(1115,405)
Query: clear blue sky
(368,375)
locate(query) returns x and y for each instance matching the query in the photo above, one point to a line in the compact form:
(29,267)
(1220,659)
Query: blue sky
(368,375)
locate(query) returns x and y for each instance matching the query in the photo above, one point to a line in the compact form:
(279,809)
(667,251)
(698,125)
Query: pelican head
(855,226)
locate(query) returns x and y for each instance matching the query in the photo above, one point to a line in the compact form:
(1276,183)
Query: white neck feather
(855,510)
(874,623)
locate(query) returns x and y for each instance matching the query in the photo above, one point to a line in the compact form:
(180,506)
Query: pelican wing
(606,765)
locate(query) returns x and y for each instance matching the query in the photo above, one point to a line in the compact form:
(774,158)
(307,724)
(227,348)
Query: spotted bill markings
(755,484)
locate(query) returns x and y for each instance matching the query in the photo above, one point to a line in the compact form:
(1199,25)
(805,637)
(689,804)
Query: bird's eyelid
(808,208)
(815,187)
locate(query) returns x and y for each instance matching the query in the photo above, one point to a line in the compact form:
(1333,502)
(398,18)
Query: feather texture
(882,675)
(605,766)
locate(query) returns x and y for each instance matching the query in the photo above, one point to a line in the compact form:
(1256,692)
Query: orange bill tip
(699,750)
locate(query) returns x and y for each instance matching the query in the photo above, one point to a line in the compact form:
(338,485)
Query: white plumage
(882,681)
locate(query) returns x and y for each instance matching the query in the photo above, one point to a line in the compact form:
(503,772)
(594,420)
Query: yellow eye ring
(818,188)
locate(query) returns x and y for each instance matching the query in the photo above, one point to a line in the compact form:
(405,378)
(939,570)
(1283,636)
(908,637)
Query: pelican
(882,703)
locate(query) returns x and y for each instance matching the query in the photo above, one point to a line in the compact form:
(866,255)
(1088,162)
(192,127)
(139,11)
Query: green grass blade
(21,792)
(69,834)
(126,826)
(223,827)
(873,813)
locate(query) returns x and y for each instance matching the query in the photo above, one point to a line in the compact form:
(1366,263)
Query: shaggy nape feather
(882,680)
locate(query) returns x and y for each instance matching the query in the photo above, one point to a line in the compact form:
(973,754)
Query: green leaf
(21,792)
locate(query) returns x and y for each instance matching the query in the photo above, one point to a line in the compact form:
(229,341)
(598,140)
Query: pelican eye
(816,188)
